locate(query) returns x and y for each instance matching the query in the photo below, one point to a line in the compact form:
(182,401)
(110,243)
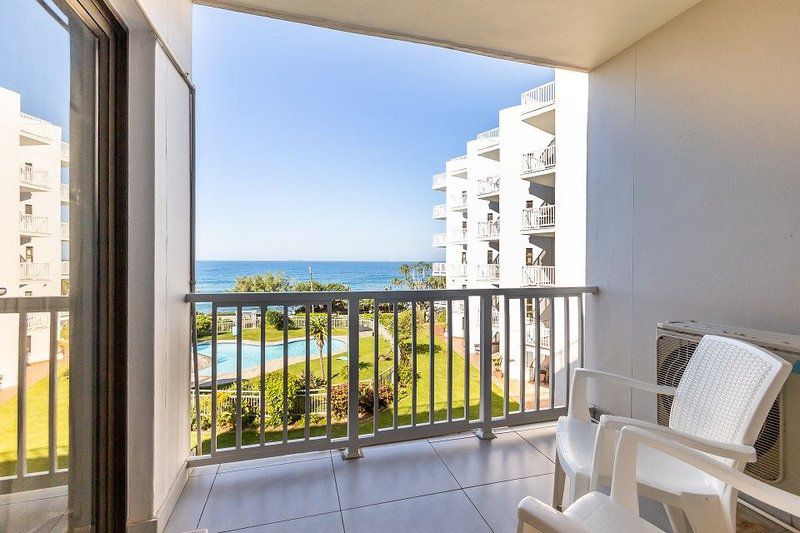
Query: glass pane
(48,265)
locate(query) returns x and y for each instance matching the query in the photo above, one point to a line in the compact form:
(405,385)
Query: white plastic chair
(619,513)
(718,407)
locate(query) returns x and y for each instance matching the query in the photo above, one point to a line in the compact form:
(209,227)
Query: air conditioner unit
(778,460)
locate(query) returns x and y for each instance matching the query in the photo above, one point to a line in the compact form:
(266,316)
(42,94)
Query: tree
(267,282)
(339,306)
(318,331)
(418,276)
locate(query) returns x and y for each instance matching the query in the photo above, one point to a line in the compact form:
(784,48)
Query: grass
(37,426)
(271,334)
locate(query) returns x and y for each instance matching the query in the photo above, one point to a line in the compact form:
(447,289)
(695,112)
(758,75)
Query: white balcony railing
(34,271)
(65,192)
(33,224)
(457,165)
(458,201)
(37,321)
(440,181)
(458,236)
(539,160)
(489,185)
(440,211)
(458,270)
(34,177)
(488,272)
(440,239)
(538,276)
(34,127)
(536,218)
(539,97)
(64,151)
(489,138)
(489,230)
(65,269)
(544,332)
(439,269)
(64,230)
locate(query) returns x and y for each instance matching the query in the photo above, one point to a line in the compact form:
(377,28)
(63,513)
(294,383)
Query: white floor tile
(448,512)
(189,506)
(391,472)
(497,502)
(543,439)
(32,515)
(208,470)
(476,462)
(273,461)
(324,523)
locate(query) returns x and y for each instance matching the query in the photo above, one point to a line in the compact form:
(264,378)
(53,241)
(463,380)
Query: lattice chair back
(727,390)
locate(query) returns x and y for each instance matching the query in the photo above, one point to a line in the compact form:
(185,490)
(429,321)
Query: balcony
(37,321)
(439,269)
(539,220)
(33,179)
(458,270)
(440,211)
(33,130)
(458,166)
(34,271)
(489,188)
(488,272)
(539,166)
(65,231)
(64,152)
(537,107)
(33,225)
(64,269)
(489,144)
(458,236)
(440,181)
(458,202)
(489,231)
(439,240)
(64,193)
(538,276)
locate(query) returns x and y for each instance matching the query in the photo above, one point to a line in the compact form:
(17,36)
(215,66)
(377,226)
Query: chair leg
(708,516)
(558,485)
(578,486)
(677,519)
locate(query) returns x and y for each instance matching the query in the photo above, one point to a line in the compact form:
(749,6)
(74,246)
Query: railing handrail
(491,134)
(541,95)
(25,117)
(539,217)
(539,159)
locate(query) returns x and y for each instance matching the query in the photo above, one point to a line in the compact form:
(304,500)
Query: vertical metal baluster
(466,359)
(551,374)
(413,363)
(538,352)
(376,375)
(396,364)
(352,451)
(507,355)
(196,372)
(580,332)
(214,406)
(567,355)
(523,355)
(262,393)
(485,365)
(239,329)
(449,325)
(307,402)
(52,386)
(285,373)
(431,352)
(329,369)
(22,369)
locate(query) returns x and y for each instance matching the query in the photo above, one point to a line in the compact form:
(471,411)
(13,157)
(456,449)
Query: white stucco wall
(693,184)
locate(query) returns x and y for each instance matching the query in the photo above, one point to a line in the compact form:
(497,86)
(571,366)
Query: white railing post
(485,431)
(352,451)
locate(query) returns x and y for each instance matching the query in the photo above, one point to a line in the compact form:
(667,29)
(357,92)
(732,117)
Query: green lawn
(271,334)
(37,421)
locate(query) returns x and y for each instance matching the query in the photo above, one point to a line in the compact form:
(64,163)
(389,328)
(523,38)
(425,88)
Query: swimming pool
(251,353)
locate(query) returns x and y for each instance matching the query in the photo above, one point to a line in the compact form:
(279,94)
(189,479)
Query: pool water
(251,353)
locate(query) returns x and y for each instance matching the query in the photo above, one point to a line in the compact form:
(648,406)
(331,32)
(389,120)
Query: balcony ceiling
(577,34)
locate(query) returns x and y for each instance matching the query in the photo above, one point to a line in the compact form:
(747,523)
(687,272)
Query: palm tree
(318,330)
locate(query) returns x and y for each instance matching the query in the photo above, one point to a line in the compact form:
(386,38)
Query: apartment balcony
(65,231)
(439,269)
(488,272)
(64,269)
(37,321)
(539,166)
(458,166)
(458,202)
(440,211)
(458,236)
(489,231)
(30,271)
(64,192)
(458,270)
(33,225)
(489,188)
(539,220)
(440,181)
(33,179)
(439,240)
(33,130)
(64,152)
(538,276)
(537,107)
(489,144)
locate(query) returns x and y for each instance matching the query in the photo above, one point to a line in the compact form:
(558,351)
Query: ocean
(220,276)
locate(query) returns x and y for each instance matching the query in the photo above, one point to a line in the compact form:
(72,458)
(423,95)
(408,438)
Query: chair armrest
(542,517)
(737,452)
(578,400)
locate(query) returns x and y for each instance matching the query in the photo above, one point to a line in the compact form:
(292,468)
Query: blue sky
(318,144)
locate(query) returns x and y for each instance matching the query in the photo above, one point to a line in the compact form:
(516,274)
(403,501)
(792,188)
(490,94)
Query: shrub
(314,381)
(203,325)
(275,319)
(365,399)
(273,398)
(339,401)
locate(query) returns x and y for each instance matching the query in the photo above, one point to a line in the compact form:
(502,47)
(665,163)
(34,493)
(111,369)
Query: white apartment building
(34,230)
(514,210)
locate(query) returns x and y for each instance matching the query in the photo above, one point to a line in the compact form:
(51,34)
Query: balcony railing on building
(458,201)
(440,181)
(458,270)
(439,269)
(35,178)
(488,187)
(538,276)
(539,218)
(64,269)
(457,166)
(440,239)
(539,161)
(34,129)
(458,236)
(64,230)
(488,139)
(37,321)
(30,271)
(33,224)
(65,192)
(489,230)
(539,97)
(440,211)
(488,272)
(64,151)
